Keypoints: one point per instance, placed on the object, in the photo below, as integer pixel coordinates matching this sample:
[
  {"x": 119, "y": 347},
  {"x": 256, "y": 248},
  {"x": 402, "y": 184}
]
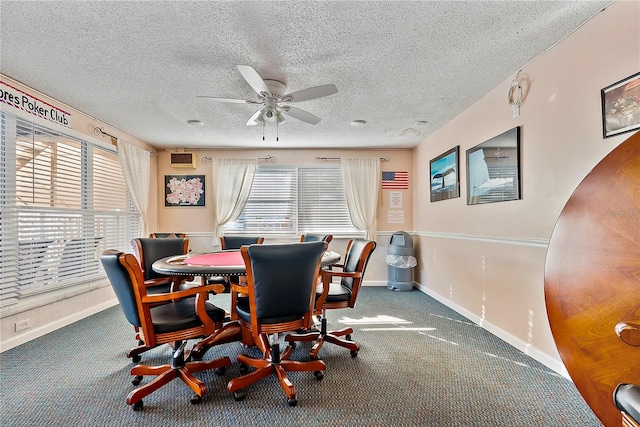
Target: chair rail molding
[{"x": 520, "y": 241}]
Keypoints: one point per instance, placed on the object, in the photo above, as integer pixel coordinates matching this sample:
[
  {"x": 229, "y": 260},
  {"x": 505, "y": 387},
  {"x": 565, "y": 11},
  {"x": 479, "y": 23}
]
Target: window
[
  {"x": 295, "y": 200},
  {"x": 62, "y": 202}
]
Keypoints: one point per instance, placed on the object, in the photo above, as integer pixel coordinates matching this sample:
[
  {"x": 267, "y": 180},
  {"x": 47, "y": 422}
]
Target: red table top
[
  {"x": 216, "y": 259},
  {"x": 223, "y": 263}
]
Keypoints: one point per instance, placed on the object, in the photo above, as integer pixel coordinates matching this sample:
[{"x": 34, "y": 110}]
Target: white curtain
[
  {"x": 361, "y": 178},
  {"x": 232, "y": 181},
  {"x": 136, "y": 166}
]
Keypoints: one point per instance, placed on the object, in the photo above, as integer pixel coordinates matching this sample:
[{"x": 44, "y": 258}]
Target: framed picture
[
  {"x": 493, "y": 169},
  {"x": 443, "y": 173},
  {"x": 621, "y": 106},
  {"x": 184, "y": 190}
]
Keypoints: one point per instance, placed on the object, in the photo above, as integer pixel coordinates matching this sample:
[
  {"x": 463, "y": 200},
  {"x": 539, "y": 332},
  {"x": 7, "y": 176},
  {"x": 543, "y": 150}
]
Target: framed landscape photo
[
  {"x": 443, "y": 174},
  {"x": 493, "y": 169},
  {"x": 184, "y": 190},
  {"x": 621, "y": 106}
]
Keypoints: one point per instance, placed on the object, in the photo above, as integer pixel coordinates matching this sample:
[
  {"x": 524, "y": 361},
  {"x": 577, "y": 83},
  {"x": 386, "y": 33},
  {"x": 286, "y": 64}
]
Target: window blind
[
  {"x": 271, "y": 207},
  {"x": 294, "y": 200},
  {"x": 64, "y": 201},
  {"x": 322, "y": 204}
]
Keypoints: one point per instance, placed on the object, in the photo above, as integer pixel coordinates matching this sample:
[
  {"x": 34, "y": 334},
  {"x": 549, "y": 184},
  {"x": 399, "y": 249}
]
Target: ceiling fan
[{"x": 274, "y": 99}]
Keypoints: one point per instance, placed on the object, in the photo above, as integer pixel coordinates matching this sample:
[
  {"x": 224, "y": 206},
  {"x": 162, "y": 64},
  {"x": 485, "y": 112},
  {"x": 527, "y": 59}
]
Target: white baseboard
[
  {"x": 374, "y": 283},
  {"x": 50, "y": 327},
  {"x": 552, "y": 363}
]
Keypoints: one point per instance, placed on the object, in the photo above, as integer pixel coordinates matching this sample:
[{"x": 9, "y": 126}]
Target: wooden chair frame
[
  {"x": 181, "y": 366},
  {"x": 272, "y": 362},
  {"x": 321, "y": 306}
]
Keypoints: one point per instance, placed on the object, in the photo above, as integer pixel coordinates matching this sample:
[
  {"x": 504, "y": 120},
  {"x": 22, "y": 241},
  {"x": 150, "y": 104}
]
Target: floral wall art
[{"x": 184, "y": 190}]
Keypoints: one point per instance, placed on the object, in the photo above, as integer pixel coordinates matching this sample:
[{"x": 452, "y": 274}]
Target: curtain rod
[
  {"x": 382, "y": 159},
  {"x": 271, "y": 159},
  {"x": 98, "y": 130}
]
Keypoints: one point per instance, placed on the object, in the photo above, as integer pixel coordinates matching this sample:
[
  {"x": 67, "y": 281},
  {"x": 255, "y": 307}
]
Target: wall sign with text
[{"x": 21, "y": 100}]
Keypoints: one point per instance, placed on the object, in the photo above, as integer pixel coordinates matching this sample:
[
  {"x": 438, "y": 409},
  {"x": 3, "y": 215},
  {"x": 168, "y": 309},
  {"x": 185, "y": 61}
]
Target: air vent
[{"x": 183, "y": 160}]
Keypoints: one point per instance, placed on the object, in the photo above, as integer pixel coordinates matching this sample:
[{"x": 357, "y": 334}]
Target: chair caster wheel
[
  {"x": 354, "y": 353},
  {"x": 292, "y": 401},
  {"x": 239, "y": 395},
  {"x": 138, "y": 406},
  {"x": 293, "y": 344},
  {"x": 318, "y": 374},
  {"x": 347, "y": 337},
  {"x": 220, "y": 371},
  {"x": 137, "y": 358},
  {"x": 196, "y": 399},
  {"x": 137, "y": 380},
  {"x": 243, "y": 368},
  {"x": 196, "y": 356}
]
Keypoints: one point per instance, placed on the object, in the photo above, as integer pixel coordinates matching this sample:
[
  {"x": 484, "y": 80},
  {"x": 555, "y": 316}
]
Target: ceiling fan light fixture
[
  {"x": 269, "y": 115},
  {"x": 280, "y": 118},
  {"x": 273, "y": 95}
]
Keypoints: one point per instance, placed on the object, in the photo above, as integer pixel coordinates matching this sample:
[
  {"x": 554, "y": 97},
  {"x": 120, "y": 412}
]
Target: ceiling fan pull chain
[
  {"x": 263, "y": 131},
  {"x": 277, "y": 131}
]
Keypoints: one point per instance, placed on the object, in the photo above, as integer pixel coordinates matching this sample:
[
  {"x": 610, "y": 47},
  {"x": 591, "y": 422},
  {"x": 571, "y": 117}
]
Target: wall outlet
[{"x": 22, "y": 325}]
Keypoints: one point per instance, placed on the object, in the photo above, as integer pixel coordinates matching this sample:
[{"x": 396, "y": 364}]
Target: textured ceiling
[{"x": 140, "y": 65}]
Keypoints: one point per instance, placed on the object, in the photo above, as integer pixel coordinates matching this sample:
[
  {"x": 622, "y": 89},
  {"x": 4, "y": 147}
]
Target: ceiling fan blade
[
  {"x": 230, "y": 100},
  {"x": 299, "y": 114},
  {"x": 253, "y": 78},
  {"x": 311, "y": 93},
  {"x": 252, "y": 121}
]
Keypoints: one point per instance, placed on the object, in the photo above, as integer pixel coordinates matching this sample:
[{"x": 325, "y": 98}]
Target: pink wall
[
  {"x": 200, "y": 219},
  {"x": 487, "y": 261}
]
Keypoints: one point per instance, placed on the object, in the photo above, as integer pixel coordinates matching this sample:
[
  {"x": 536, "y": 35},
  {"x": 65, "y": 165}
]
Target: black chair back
[
  {"x": 316, "y": 238},
  {"x": 353, "y": 261},
  {"x": 154, "y": 249},
  {"x": 236, "y": 242},
  {"x": 121, "y": 283},
  {"x": 284, "y": 279}
]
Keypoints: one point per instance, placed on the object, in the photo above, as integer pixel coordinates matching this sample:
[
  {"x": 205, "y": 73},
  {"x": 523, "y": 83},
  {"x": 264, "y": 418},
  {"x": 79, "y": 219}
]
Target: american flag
[{"x": 395, "y": 180}]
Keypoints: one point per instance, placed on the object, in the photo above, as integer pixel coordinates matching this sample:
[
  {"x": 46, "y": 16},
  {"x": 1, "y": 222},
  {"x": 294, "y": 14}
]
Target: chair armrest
[
  {"x": 218, "y": 288},
  {"x": 331, "y": 273},
  {"x": 164, "y": 280},
  {"x": 327, "y": 275},
  {"x": 172, "y": 296}
]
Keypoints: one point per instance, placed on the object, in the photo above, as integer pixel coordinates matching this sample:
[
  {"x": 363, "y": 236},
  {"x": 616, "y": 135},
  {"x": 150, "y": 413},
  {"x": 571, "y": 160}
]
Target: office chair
[
  {"x": 336, "y": 296},
  {"x": 171, "y": 318},
  {"x": 147, "y": 251},
  {"x": 281, "y": 280}
]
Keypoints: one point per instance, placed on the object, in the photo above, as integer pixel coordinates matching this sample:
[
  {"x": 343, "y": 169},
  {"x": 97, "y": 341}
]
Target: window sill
[{"x": 43, "y": 299}]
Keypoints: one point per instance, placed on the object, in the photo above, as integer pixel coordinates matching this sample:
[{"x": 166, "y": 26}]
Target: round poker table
[
  {"x": 221, "y": 263},
  {"x": 592, "y": 280}
]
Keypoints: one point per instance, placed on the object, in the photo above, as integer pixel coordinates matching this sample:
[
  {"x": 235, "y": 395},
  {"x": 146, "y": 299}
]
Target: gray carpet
[{"x": 421, "y": 364}]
